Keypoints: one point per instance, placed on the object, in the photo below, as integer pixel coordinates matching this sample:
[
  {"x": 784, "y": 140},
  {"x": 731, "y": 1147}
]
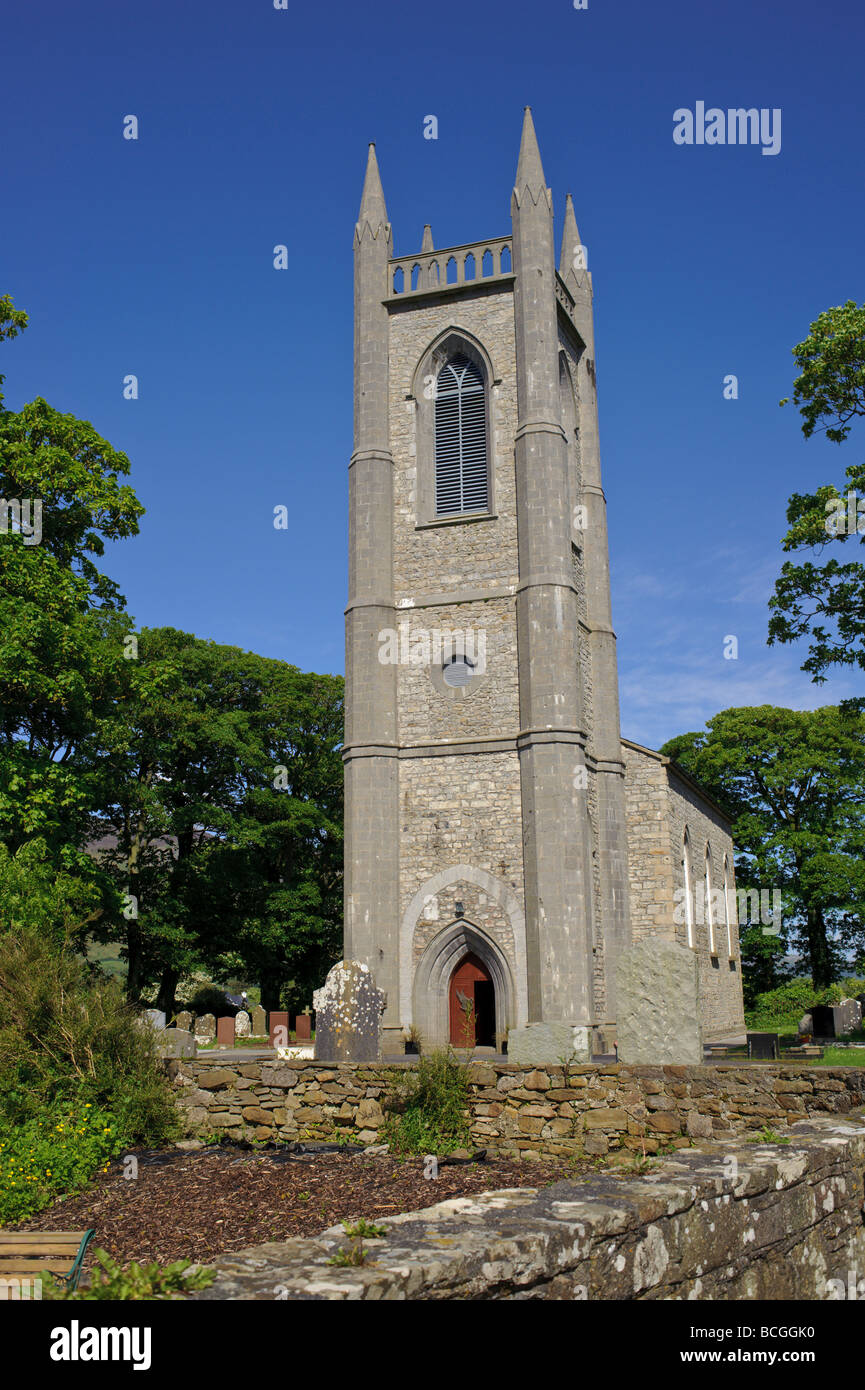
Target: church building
[{"x": 504, "y": 844}]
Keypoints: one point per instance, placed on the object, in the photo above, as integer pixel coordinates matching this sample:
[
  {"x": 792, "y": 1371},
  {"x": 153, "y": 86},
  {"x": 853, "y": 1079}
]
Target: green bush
[
  {"x": 75, "y": 1060},
  {"x": 53, "y": 1154},
  {"x": 780, "y": 1009},
  {"x": 148, "y": 1282},
  {"x": 427, "y": 1107}
]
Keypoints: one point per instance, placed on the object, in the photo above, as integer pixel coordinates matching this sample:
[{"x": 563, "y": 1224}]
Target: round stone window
[{"x": 457, "y": 672}]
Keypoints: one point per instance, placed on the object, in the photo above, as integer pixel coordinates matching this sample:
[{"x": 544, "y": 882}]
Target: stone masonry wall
[
  {"x": 721, "y": 970},
  {"x": 660, "y": 805},
  {"x": 720, "y": 1222},
  {"x": 530, "y": 1112},
  {"x": 651, "y": 869}
]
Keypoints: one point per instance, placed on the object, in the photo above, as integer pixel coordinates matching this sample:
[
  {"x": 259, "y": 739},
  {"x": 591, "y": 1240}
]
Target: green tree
[
  {"x": 826, "y": 601},
  {"x": 793, "y": 782},
  {"x": 62, "y": 623},
  {"x": 34, "y": 894},
  {"x": 222, "y": 815}
]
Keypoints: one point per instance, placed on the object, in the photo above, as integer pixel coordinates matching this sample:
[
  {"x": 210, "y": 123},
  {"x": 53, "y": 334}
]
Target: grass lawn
[{"x": 841, "y": 1057}]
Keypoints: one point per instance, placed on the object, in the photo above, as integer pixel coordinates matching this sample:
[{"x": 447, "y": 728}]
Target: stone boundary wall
[
  {"x": 533, "y": 1112},
  {"x": 723, "y": 1222}
]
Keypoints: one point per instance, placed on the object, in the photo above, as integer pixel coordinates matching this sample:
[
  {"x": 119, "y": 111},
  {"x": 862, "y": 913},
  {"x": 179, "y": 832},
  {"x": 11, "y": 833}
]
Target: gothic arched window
[
  {"x": 710, "y": 916},
  {"x": 461, "y": 471},
  {"x": 686, "y": 875},
  {"x": 727, "y": 904}
]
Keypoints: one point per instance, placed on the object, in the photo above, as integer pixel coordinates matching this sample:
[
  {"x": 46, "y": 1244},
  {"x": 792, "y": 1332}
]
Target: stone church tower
[{"x": 486, "y": 864}]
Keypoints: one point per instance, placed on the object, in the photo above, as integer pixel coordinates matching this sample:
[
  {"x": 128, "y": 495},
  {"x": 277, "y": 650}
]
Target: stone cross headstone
[
  {"x": 302, "y": 1028},
  {"x": 241, "y": 1024},
  {"x": 205, "y": 1028},
  {"x": 184, "y": 1020},
  {"x": 658, "y": 1005},
  {"x": 225, "y": 1031},
  {"x": 156, "y": 1016},
  {"x": 259, "y": 1022},
  {"x": 279, "y": 1034},
  {"x": 348, "y": 1010}
]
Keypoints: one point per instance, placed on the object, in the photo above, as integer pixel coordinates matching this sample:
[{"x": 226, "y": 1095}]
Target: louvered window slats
[{"x": 460, "y": 439}]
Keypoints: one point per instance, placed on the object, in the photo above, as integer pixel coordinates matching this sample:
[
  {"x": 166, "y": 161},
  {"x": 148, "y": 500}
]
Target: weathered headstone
[
  {"x": 833, "y": 1020},
  {"x": 848, "y": 1016},
  {"x": 156, "y": 1016},
  {"x": 259, "y": 1022},
  {"x": 241, "y": 1024},
  {"x": 348, "y": 1010},
  {"x": 205, "y": 1028},
  {"x": 279, "y": 1034},
  {"x": 658, "y": 1005},
  {"x": 184, "y": 1020},
  {"x": 302, "y": 1028},
  {"x": 225, "y": 1031},
  {"x": 539, "y": 1044},
  {"x": 805, "y": 1025},
  {"x": 177, "y": 1042}
]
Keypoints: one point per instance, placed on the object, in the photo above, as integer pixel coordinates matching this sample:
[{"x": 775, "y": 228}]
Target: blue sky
[{"x": 154, "y": 257}]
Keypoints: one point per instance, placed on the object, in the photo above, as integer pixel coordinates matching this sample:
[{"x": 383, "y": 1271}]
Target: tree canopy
[
  {"x": 160, "y": 791},
  {"x": 793, "y": 782},
  {"x": 824, "y": 599}
]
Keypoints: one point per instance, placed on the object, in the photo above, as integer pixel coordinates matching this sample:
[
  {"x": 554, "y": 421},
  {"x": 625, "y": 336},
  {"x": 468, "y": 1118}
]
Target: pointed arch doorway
[{"x": 472, "y": 1004}]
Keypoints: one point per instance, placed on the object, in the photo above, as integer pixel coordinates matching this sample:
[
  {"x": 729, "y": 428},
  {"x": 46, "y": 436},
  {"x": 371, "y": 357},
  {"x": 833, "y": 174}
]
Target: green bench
[{"x": 26, "y": 1254}]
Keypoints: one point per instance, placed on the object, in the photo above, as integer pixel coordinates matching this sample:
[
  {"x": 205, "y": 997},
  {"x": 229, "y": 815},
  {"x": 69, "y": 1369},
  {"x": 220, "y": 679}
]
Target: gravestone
[
  {"x": 833, "y": 1020},
  {"x": 658, "y": 1005},
  {"x": 302, "y": 1028},
  {"x": 824, "y": 1020},
  {"x": 279, "y": 1034},
  {"x": 544, "y": 1044},
  {"x": 763, "y": 1047},
  {"x": 848, "y": 1016},
  {"x": 225, "y": 1031},
  {"x": 805, "y": 1025},
  {"x": 205, "y": 1028},
  {"x": 156, "y": 1016},
  {"x": 348, "y": 1010},
  {"x": 259, "y": 1022},
  {"x": 184, "y": 1020},
  {"x": 177, "y": 1042},
  {"x": 242, "y": 1024}
]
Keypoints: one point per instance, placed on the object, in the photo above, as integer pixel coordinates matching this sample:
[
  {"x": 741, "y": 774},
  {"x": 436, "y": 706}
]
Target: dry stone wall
[
  {"x": 719, "y": 1222},
  {"x": 531, "y": 1112}
]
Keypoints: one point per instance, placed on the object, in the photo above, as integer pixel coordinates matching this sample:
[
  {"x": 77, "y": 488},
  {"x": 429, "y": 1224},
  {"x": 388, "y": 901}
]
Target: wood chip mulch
[{"x": 197, "y": 1205}]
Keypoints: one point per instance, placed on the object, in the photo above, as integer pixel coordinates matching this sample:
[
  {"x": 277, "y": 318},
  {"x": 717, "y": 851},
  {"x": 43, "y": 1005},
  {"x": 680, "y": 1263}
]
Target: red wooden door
[{"x": 463, "y": 1005}]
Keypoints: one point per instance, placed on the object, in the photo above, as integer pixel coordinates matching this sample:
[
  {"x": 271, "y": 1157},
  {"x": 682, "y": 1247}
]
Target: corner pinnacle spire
[
  {"x": 572, "y": 265},
  {"x": 530, "y": 170},
  {"x": 427, "y": 243},
  {"x": 373, "y": 212}
]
